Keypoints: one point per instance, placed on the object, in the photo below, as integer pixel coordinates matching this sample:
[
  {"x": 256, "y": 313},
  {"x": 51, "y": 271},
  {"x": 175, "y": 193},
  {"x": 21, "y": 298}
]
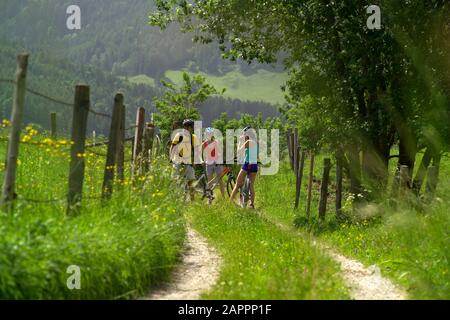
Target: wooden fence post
[
  {"x": 113, "y": 147},
  {"x": 324, "y": 188},
  {"x": 339, "y": 172},
  {"x": 121, "y": 146},
  {"x": 293, "y": 145},
  {"x": 8, "y": 190},
  {"x": 432, "y": 181},
  {"x": 422, "y": 171},
  {"x": 295, "y": 163},
  {"x": 53, "y": 125},
  {"x": 403, "y": 178},
  {"x": 310, "y": 183},
  {"x": 300, "y": 170},
  {"x": 132, "y": 153},
  {"x": 137, "y": 147},
  {"x": 289, "y": 145},
  {"x": 147, "y": 147},
  {"x": 77, "y": 163},
  {"x": 158, "y": 145}
]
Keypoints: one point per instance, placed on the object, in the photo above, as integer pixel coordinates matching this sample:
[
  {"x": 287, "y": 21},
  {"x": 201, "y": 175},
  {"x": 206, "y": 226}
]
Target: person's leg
[
  {"x": 190, "y": 177},
  {"x": 240, "y": 181},
  {"x": 222, "y": 187},
  {"x": 219, "y": 176},
  {"x": 191, "y": 189},
  {"x": 210, "y": 175},
  {"x": 252, "y": 188},
  {"x": 176, "y": 173}
]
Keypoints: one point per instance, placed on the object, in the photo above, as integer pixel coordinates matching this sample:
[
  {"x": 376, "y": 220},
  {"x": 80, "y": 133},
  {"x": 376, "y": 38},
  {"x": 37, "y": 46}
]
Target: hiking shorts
[
  {"x": 184, "y": 171},
  {"x": 250, "y": 168},
  {"x": 212, "y": 169}
]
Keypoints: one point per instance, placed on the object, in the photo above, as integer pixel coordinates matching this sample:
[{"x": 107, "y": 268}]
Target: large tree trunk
[
  {"x": 375, "y": 165},
  {"x": 353, "y": 168},
  {"x": 422, "y": 171},
  {"x": 433, "y": 175},
  {"x": 407, "y": 153},
  {"x": 429, "y": 155},
  {"x": 378, "y": 141}
]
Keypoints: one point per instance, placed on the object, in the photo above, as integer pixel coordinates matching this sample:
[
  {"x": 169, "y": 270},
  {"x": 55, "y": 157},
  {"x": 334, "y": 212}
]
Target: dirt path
[
  {"x": 366, "y": 283},
  {"x": 363, "y": 283},
  {"x": 200, "y": 266},
  {"x": 197, "y": 272}
]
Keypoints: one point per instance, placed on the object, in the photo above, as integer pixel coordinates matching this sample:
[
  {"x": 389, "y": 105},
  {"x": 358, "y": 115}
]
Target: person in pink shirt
[{"x": 211, "y": 156}]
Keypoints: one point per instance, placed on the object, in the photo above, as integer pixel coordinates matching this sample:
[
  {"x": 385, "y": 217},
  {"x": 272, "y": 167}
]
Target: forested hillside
[
  {"x": 57, "y": 78},
  {"x": 114, "y": 36},
  {"x": 115, "y": 49}
]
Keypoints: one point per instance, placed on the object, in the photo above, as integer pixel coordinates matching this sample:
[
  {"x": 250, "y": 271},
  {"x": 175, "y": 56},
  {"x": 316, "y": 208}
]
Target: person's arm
[
  {"x": 243, "y": 146},
  {"x": 173, "y": 143},
  {"x": 241, "y": 152}
]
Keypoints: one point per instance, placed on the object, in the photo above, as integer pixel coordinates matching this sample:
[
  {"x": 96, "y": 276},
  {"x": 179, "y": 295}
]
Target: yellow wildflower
[{"x": 47, "y": 141}]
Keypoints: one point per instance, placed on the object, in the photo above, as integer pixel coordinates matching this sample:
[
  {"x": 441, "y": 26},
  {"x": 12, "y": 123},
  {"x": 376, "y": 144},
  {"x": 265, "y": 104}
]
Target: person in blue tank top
[{"x": 248, "y": 144}]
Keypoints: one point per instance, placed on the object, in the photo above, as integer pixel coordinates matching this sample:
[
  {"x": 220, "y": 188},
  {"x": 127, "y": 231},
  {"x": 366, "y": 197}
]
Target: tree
[
  {"x": 179, "y": 103},
  {"x": 373, "y": 88}
]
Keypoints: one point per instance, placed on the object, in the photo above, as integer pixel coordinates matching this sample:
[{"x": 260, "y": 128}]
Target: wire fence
[
  {"x": 55, "y": 100},
  {"x": 114, "y": 159},
  {"x": 55, "y": 200}
]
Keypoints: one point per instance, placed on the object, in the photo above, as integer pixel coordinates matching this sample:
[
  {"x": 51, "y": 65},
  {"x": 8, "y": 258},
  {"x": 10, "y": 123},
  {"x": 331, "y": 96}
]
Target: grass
[
  {"x": 141, "y": 79},
  {"x": 261, "y": 86},
  {"x": 123, "y": 247},
  {"x": 409, "y": 246},
  {"x": 262, "y": 261}
]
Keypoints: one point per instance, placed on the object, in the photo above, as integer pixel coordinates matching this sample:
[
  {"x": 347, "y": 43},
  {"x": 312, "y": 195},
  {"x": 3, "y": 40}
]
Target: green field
[
  {"x": 141, "y": 79},
  {"x": 261, "y": 86}
]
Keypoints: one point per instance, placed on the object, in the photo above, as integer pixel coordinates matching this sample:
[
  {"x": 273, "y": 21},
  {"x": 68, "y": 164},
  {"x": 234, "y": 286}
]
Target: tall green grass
[
  {"x": 123, "y": 247},
  {"x": 409, "y": 245}
]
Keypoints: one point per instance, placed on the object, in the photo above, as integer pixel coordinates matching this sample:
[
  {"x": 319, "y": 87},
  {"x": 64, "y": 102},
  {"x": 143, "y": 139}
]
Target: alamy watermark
[
  {"x": 374, "y": 21},
  {"x": 73, "y": 21},
  {"x": 256, "y": 151},
  {"x": 74, "y": 280}
]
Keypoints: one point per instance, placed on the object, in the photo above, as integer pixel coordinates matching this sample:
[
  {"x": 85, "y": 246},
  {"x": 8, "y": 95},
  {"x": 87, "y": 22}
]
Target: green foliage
[
  {"x": 247, "y": 120},
  {"x": 45, "y": 70},
  {"x": 212, "y": 109},
  {"x": 366, "y": 89},
  {"x": 55, "y": 77},
  {"x": 179, "y": 103},
  {"x": 123, "y": 247},
  {"x": 262, "y": 261},
  {"x": 114, "y": 36},
  {"x": 223, "y": 123},
  {"x": 260, "y": 86}
]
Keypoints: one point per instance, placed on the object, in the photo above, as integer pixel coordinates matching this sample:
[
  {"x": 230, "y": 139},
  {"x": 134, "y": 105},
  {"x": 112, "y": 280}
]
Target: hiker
[
  {"x": 212, "y": 157},
  {"x": 183, "y": 150},
  {"x": 248, "y": 146}
]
